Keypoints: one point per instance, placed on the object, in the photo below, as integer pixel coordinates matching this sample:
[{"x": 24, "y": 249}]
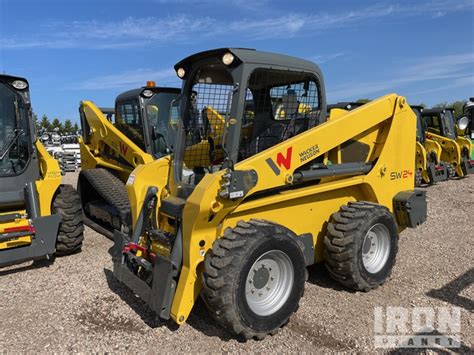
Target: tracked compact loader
[
  {"x": 39, "y": 217},
  {"x": 114, "y": 142},
  {"x": 281, "y": 190},
  {"x": 456, "y": 150}
]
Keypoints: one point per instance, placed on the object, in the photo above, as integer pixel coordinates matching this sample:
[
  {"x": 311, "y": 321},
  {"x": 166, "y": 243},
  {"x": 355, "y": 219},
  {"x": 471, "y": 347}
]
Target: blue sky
[{"x": 72, "y": 50}]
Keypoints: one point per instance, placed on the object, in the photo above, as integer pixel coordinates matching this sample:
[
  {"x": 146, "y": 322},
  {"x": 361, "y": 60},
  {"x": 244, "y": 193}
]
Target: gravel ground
[{"x": 75, "y": 304}]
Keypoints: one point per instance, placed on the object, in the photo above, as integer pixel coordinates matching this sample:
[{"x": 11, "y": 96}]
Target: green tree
[
  {"x": 458, "y": 108},
  {"x": 75, "y": 128},
  {"x": 68, "y": 127},
  {"x": 57, "y": 124},
  {"x": 45, "y": 124},
  {"x": 363, "y": 101},
  {"x": 456, "y": 105}
]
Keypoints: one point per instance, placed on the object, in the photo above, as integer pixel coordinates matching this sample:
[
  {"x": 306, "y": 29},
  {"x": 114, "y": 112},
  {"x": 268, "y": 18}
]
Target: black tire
[
  {"x": 418, "y": 178},
  {"x": 344, "y": 241},
  {"x": 67, "y": 204},
  {"x": 226, "y": 270}
]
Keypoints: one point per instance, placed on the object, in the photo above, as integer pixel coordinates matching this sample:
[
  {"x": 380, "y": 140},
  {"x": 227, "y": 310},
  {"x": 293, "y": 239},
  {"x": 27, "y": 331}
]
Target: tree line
[{"x": 66, "y": 127}]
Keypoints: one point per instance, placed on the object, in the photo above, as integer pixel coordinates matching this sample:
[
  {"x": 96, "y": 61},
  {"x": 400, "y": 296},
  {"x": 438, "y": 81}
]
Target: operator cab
[
  {"x": 142, "y": 115},
  {"x": 238, "y": 102},
  {"x": 440, "y": 121},
  {"x": 16, "y": 140}
]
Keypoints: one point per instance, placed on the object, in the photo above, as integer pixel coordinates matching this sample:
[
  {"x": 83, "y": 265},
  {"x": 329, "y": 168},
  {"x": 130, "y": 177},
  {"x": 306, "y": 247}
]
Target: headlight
[
  {"x": 147, "y": 93},
  {"x": 181, "y": 73},
  {"x": 19, "y": 84},
  {"x": 462, "y": 123},
  {"x": 227, "y": 58}
]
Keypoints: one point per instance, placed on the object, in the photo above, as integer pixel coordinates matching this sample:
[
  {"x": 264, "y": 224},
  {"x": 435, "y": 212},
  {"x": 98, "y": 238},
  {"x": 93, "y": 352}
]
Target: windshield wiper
[{"x": 10, "y": 142}]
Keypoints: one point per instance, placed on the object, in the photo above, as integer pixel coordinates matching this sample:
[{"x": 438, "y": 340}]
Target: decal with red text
[{"x": 401, "y": 174}]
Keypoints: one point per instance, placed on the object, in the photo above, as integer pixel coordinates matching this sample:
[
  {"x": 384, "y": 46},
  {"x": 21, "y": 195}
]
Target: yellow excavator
[
  {"x": 39, "y": 216},
  {"x": 238, "y": 221},
  {"x": 456, "y": 150},
  {"x": 114, "y": 142}
]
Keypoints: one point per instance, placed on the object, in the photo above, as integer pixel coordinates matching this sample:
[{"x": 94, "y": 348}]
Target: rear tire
[
  {"x": 71, "y": 229},
  {"x": 254, "y": 278},
  {"x": 361, "y": 245}
]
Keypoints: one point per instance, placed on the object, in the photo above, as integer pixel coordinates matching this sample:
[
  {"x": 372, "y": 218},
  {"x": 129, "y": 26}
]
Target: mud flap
[
  {"x": 43, "y": 242},
  {"x": 159, "y": 296}
]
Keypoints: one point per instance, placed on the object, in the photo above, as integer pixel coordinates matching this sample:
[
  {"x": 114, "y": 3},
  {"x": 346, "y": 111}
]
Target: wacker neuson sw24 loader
[
  {"x": 239, "y": 220},
  {"x": 39, "y": 217}
]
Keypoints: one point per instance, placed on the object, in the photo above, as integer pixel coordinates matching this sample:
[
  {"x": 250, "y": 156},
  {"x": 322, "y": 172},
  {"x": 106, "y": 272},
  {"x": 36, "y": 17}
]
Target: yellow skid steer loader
[{"x": 282, "y": 190}]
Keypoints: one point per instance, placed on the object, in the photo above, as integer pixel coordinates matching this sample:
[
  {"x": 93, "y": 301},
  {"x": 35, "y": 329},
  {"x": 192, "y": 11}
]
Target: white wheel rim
[
  {"x": 269, "y": 283},
  {"x": 376, "y": 248}
]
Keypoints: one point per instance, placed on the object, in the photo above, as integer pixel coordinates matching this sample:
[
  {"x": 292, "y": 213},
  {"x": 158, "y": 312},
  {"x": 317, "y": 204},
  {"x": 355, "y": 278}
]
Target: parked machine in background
[
  {"x": 282, "y": 190},
  {"x": 113, "y": 143},
  {"x": 39, "y": 216},
  {"x": 456, "y": 150},
  {"x": 429, "y": 168},
  {"x": 465, "y": 123}
]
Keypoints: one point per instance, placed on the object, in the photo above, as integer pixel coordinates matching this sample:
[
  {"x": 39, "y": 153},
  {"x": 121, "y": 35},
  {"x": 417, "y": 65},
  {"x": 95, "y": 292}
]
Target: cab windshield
[
  {"x": 448, "y": 123},
  {"x": 14, "y": 151},
  {"x": 162, "y": 132},
  {"x": 151, "y": 132}
]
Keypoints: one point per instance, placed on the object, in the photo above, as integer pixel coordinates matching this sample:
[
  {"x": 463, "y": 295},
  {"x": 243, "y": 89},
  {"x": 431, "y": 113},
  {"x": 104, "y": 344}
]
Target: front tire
[
  {"x": 67, "y": 204},
  {"x": 254, "y": 278},
  {"x": 361, "y": 245}
]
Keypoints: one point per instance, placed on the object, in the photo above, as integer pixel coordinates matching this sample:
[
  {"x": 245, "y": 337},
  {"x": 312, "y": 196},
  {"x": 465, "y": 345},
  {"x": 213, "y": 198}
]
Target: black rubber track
[
  {"x": 223, "y": 270},
  {"x": 345, "y": 234},
  {"x": 111, "y": 189},
  {"x": 71, "y": 229}
]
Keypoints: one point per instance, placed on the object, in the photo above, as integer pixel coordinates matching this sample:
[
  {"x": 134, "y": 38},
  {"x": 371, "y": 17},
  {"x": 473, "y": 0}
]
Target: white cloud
[
  {"x": 129, "y": 79},
  {"x": 139, "y": 32},
  {"x": 457, "y": 68},
  {"x": 321, "y": 59}
]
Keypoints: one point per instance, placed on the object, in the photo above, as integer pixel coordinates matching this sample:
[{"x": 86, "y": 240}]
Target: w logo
[
  {"x": 281, "y": 161},
  {"x": 123, "y": 148}
]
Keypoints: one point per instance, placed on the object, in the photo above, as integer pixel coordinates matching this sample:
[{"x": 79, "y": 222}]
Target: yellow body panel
[
  {"x": 47, "y": 185},
  {"x": 451, "y": 150},
  {"x": 154, "y": 174},
  {"x": 429, "y": 148},
  {"x": 465, "y": 143},
  {"x": 107, "y": 146}
]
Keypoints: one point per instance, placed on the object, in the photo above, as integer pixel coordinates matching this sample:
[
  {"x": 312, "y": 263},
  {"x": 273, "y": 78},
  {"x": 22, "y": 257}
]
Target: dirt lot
[{"x": 75, "y": 304}]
